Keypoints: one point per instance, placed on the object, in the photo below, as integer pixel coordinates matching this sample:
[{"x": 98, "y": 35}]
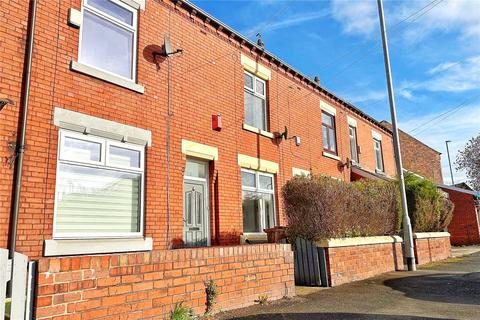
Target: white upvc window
[
  {"x": 352, "y": 133},
  {"x": 255, "y": 101},
  {"x": 99, "y": 188},
  {"x": 108, "y": 37},
  {"x": 377, "y": 147},
  {"x": 258, "y": 201}
]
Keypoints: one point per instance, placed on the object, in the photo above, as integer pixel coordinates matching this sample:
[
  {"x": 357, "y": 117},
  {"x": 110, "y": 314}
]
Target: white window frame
[
  {"x": 375, "y": 141},
  {"x": 257, "y": 189},
  {"x": 261, "y": 96},
  {"x": 132, "y": 28},
  {"x": 103, "y": 164},
  {"x": 354, "y": 138}
]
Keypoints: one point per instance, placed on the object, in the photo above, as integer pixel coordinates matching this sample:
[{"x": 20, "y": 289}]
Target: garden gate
[
  {"x": 310, "y": 264},
  {"x": 21, "y": 274}
]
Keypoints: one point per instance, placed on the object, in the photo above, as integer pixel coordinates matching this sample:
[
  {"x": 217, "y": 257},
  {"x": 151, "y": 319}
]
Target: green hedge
[{"x": 430, "y": 210}]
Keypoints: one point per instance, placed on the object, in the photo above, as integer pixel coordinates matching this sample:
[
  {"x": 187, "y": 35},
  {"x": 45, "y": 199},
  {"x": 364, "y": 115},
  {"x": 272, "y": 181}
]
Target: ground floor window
[
  {"x": 258, "y": 203},
  {"x": 99, "y": 190}
]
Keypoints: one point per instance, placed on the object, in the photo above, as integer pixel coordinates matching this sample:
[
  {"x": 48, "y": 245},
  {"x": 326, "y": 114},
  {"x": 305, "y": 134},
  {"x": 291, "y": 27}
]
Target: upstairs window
[
  {"x": 108, "y": 37},
  {"x": 255, "y": 101},
  {"x": 328, "y": 133},
  {"x": 258, "y": 203},
  {"x": 99, "y": 191},
  {"x": 352, "y": 132},
  {"x": 377, "y": 146}
]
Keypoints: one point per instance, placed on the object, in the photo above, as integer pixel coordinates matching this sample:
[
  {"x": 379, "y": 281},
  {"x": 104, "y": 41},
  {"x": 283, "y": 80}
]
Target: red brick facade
[
  {"x": 419, "y": 158},
  {"x": 206, "y": 79},
  {"x": 147, "y": 285},
  {"x": 358, "y": 262},
  {"x": 432, "y": 249},
  {"x": 464, "y": 228}
]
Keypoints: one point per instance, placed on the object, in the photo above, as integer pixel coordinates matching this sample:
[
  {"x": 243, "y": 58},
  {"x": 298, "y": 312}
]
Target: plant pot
[{"x": 276, "y": 234}]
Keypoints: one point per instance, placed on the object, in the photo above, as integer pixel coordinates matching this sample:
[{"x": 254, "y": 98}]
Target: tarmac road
[{"x": 446, "y": 290}]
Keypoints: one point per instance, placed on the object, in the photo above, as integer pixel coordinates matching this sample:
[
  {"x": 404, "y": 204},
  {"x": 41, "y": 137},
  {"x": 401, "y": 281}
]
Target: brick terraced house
[{"x": 132, "y": 145}]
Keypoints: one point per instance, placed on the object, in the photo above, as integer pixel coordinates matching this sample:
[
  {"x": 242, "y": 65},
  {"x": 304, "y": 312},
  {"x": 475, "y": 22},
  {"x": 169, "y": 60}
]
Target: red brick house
[
  {"x": 419, "y": 158},
  {"x": 129, "y": 150},
  {"x": 465, "y": 226}
]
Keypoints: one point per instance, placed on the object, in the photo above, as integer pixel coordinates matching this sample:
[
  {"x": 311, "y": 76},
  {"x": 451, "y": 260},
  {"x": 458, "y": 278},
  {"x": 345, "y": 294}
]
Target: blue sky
[{"x": 434, "y": 48}]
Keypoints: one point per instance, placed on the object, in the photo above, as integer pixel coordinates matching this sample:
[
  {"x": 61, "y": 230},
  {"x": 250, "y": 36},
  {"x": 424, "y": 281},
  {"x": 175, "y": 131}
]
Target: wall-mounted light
[
  {"x": 297, "y": 140},
  {"x": 4, "y": 102},
  {"x": 284, "y": 136}
]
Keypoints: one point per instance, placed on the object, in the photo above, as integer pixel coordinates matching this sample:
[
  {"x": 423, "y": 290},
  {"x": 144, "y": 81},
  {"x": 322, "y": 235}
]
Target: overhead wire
[
  {"x": 394, "y": 27},
  {"x": 443, "y": 115},
  {"x": 374, "y": 47}
]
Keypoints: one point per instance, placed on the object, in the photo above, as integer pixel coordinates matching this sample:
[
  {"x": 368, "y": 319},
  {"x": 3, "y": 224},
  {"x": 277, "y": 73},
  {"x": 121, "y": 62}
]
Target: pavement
[
  {"x": 464, "y": 250},
  {"x": 446, "y": 290}
]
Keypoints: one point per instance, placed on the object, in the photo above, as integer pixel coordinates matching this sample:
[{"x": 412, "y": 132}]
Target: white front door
[{"x": 196, "y": 222}]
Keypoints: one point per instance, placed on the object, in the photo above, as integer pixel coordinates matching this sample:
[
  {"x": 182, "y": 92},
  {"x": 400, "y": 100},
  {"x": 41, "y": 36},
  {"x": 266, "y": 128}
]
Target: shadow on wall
[
  {"x": 444, "y": 288},
  {"x": 336, "y": 316}
]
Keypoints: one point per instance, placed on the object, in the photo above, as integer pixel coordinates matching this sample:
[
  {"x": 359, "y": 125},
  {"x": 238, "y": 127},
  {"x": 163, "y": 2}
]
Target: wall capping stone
[
  {"x": 425, "y": 235},
  {"x": 357, "y": 241}
]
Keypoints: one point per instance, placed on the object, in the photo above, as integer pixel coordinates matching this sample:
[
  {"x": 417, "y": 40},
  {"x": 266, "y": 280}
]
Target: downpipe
[{"x": 20, "y": 149}]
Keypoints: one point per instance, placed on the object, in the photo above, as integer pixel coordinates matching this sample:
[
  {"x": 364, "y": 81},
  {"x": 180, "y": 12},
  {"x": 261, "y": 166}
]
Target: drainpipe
[{"x": 20, "y": 150}]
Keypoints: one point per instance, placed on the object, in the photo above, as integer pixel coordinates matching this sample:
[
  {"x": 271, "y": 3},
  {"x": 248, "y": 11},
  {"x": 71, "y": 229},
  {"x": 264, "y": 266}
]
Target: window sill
[
  {"x": 331, "y": 156},
  {"x": 102, "y": 75},
  {"x": 380, "y": 172},
  {"x": 95, "y": 246},
  {"x": 258, "y": 131},
  {"x": 259, "y": 237}
]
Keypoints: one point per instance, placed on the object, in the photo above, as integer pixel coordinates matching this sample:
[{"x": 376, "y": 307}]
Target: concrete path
[
  {"x": 446, "y": 290},
  {"x": 464, "y": 251}
]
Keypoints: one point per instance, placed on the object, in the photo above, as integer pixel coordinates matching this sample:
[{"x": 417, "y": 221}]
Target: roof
[
  {"x": 368, "y": 174},
  {"x": 388, "y": 124},
  {"x": 217, "y": 24},
  {"x": 453, "y": 188}
]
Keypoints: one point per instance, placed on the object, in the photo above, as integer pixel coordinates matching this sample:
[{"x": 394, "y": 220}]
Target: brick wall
[
  {"x": 147, "y": 285},
  {"x": 206, "y": 79},
  {"x": 464, "y": 228},
  {"x": 353, "y": 263},
  {"x": 419, "y": 158},
  {"x": 432, "y": 249}
]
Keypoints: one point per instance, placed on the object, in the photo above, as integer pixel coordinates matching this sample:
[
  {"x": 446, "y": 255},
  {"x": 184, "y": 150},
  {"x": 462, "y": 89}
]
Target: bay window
[
  {"x": 258, "y": 203},
  {"x": 108, "y": 37},
  {"x": 255, "y": 101},
  {"x": 99, "y": 188}
]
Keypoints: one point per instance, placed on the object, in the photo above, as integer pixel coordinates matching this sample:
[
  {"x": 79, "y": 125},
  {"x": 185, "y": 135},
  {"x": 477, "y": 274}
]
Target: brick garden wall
[
  {"x": 147, "y": 285},
  {"x": 353, "y": 263},
  {"x": 432, "y": 249},
  {"x": 464, "y": 228}
]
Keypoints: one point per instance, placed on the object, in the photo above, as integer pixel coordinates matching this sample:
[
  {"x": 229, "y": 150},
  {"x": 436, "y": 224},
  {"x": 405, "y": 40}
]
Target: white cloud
[
  {"x": 452, "y": 77},
  {"x": 286, "y": 22},
  {"x": 356, "y": 17},
  {"x": 425, "y": 18},
  {"x": 372, "y": 95},
  {"x": 456, "y": 127}
]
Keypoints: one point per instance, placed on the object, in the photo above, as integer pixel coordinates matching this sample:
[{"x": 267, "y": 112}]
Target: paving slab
[{"x": 446, "y": 290}]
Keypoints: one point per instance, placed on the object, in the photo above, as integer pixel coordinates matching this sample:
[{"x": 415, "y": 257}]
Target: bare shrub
[{"x": 319, "y": 207}]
